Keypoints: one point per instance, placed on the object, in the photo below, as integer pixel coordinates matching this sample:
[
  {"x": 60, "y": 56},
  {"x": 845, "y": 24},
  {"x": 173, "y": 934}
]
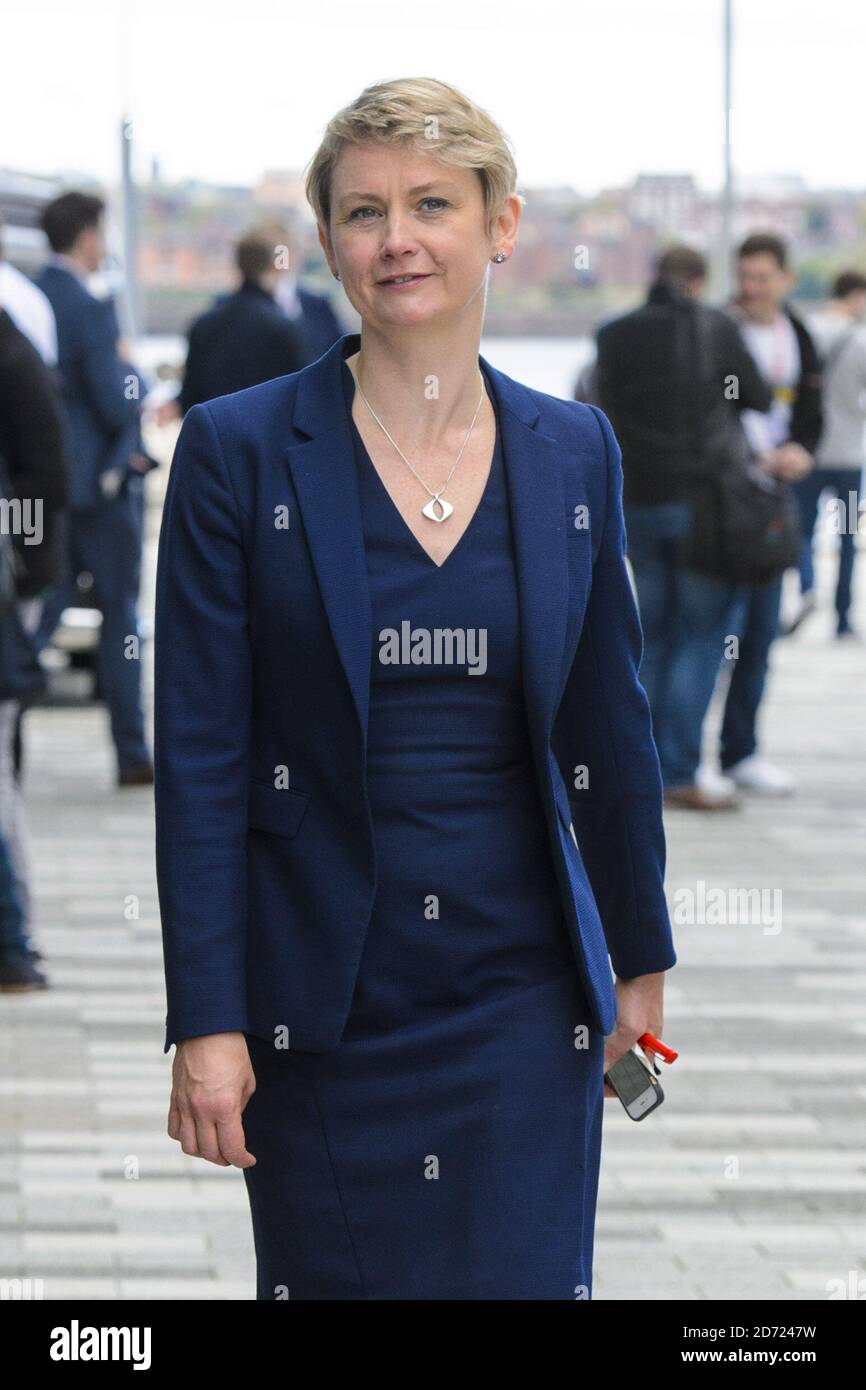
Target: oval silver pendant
[{"x": 428, "y": 510}]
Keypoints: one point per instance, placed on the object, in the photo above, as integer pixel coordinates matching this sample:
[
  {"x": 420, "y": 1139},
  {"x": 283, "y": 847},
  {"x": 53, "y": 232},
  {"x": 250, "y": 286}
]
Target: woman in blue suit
[{"x": 408, "y": 803}]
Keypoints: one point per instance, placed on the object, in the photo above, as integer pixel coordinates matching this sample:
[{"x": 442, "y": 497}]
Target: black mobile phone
[{"x": 635, "y": 1085}]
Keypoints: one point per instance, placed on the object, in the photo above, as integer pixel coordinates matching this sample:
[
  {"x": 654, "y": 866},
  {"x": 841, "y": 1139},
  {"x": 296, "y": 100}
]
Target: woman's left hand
[{"x": 640, "y": 1009}]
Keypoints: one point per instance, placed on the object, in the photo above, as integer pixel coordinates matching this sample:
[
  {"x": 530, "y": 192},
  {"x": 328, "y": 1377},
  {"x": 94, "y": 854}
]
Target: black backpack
[{"x": 746, "y": 524}]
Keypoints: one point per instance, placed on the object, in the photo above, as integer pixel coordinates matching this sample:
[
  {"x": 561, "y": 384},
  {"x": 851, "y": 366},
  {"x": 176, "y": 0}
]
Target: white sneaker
[
  {"x": 755, "y": 774},
  {"x": 713, "y": 782}
]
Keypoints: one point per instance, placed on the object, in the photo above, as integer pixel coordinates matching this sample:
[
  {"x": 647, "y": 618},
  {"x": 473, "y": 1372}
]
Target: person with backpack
[
  {"x": 841, "y": 338},
  {"x": 782, "y": 441},
  {"x": 661, "y": 380}
]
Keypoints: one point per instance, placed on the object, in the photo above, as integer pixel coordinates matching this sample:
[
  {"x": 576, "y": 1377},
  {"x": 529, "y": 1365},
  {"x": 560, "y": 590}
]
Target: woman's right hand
[{"x": 212, "y": 1080}]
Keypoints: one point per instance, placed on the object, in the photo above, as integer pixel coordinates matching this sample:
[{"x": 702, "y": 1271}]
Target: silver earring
[
  {"x": 336, "y": 274},
  {"x": 499, "y": 257}
]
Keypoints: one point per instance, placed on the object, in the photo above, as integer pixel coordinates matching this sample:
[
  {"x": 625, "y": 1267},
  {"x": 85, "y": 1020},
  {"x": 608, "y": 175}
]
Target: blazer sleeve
[
  {"x": 202, "y": 692},
  {"x": 807, "y": 416},
  {"x": 618, "y": 817},
  {"x": 103, "y": 374}
]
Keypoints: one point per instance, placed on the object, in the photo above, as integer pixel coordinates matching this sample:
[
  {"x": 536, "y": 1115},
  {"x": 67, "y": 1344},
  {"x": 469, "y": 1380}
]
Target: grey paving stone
[{"x": 770, "y": 1030}]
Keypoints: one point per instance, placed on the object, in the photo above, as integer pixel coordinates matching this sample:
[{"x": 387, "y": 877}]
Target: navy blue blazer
[
  {"x": 100, "y": 415},
  {"x": 262, "y": 671}
]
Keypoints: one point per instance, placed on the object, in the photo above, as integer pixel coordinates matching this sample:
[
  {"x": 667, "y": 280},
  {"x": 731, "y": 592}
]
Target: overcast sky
[{"x": 591, "y": 92}]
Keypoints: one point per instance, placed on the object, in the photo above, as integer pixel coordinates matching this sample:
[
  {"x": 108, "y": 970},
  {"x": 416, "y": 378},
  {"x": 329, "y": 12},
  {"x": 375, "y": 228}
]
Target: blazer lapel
[
  {"x": 326, "y": 484},
  {"x": 537, "y": 501}
]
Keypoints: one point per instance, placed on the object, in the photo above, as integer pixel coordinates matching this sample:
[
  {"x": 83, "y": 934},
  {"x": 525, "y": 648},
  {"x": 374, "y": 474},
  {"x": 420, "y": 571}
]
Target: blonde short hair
[{"x": 433, "y": 117}]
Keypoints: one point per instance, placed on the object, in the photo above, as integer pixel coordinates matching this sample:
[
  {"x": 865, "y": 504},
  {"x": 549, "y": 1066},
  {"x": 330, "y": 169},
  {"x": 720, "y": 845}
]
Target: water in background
[{"x": 548, "y": 364}]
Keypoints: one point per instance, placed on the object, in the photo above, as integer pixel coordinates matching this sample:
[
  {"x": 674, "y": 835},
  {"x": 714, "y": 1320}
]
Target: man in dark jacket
[
  {"x": 311, "y": 314},
  {"x": 34, "y": 481},
  {"x": 31, "y": 447},
  {"x": 245, "y": 339},
  {"x": 672, "y": 376},
  {"x": 784, "y": 439},
  {"x": 101, "y": 408}
]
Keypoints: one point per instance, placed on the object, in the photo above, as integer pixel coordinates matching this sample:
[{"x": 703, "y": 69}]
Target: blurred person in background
[
  {"x": 312, "y": 314},
  {"x": 245, "y": 339},
  {"x": 34, "y": 480},
  {"x": 649, "y": 383},
  {"x": 101, "y": 408},
  {"x": 841, "y": 339},
  {"x": 586, "y": 385},
  {"x": 782, "y": 440},
  {"x": 31, "y": 312}
]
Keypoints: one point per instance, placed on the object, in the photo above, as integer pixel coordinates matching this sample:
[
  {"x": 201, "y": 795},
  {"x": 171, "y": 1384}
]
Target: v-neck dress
[{"x": 449, "y": 1147}]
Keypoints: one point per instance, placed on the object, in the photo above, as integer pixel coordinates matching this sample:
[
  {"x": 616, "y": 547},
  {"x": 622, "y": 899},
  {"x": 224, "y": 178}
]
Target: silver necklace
[{"x": 436, "y": 498}]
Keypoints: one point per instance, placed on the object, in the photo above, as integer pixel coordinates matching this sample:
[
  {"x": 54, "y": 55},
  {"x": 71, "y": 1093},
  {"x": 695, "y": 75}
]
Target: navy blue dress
[{"x": 449, "y": 1147}]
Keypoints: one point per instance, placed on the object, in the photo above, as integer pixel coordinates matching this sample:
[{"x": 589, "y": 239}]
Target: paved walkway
[{"x": 749, "y": 1182}]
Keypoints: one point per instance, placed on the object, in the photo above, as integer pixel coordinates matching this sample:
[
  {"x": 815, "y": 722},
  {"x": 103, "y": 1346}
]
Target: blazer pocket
[{"x": 278, "y": 810}]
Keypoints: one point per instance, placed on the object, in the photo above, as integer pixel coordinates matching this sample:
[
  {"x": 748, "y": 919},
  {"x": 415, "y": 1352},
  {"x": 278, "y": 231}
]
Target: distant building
[
  {"x": 22, "y": 198},
  {"x": 282, "y": 190},
  {"x": 578, "y": 256},
  {"x": 667, "y": 202}
]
